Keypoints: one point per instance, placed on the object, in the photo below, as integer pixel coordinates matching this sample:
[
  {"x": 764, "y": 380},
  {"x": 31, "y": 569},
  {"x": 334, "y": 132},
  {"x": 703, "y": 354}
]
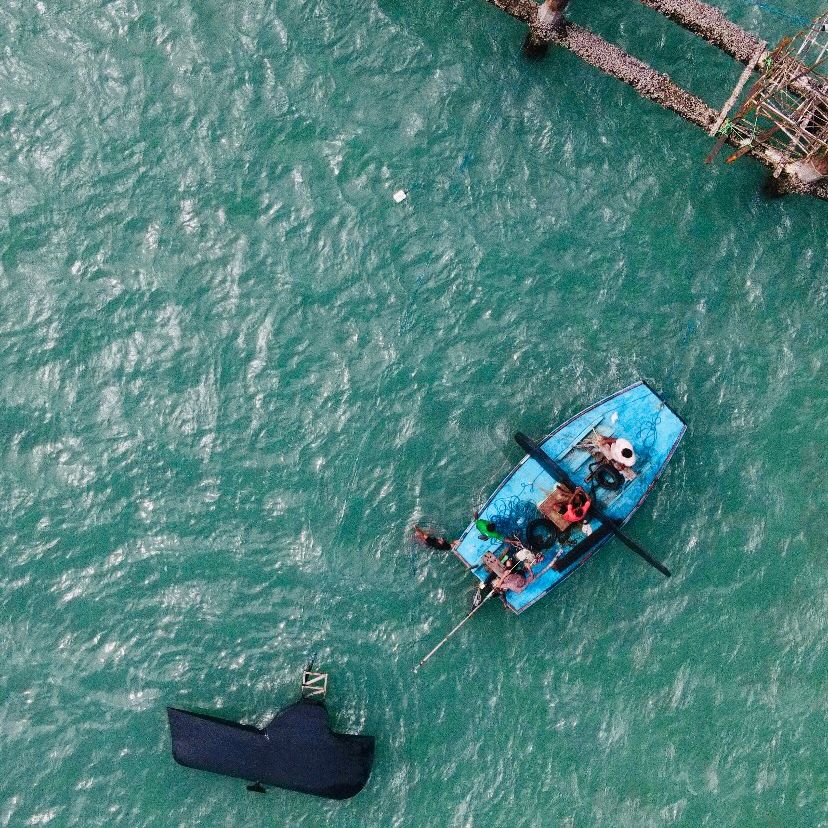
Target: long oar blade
[
  {"x": 640, "y": 551},
  {"x": 554, "y": 469}
]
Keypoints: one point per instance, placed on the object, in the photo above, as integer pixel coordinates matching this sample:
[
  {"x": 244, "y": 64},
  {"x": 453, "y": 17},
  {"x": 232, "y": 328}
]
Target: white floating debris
[{"x": 400, "y": 196}]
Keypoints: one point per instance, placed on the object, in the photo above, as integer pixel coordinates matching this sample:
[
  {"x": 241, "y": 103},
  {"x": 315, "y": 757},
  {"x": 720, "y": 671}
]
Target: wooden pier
[{"x": 789, "y": 98}]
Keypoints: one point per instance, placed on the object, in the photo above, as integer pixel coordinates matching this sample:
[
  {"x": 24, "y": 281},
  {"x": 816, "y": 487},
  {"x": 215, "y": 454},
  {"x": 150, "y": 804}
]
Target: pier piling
[
  {"x": 549, "y": 22},
  {"x": 789, "y": 100}
]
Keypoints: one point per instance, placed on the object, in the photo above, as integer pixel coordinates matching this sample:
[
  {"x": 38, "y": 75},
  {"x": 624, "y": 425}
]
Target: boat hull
[{"x": 637, "y": 414}]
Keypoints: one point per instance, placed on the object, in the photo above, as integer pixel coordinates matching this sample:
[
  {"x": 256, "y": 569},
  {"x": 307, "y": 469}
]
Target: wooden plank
[
  {"x": 749, "y": 147},
  {"x": 760, "y": 50}
]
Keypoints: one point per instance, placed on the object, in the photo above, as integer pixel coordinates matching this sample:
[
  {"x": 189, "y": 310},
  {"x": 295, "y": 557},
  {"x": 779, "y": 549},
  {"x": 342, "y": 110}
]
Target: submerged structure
[
  {"x": 297, "y": 750},
  {"x": 782, "y": 121}
]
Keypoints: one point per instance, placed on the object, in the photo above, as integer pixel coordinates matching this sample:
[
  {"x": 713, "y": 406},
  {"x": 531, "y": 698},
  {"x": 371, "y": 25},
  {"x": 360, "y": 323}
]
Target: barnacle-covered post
[{"x": 549, "y": 21}]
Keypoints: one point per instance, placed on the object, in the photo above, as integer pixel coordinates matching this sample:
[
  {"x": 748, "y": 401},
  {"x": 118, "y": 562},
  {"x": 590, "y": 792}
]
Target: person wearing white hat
[{"x": 622, "y": 452}]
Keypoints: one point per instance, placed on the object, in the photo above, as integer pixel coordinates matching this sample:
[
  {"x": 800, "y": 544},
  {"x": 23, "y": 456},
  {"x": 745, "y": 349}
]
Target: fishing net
[{"x": 512, "y": 514}]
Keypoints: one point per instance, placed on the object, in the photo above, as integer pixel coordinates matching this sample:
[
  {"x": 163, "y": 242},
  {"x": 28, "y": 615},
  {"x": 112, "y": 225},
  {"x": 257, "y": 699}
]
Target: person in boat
[
  {"x": 576, "y": 509},
  {"x": 487, "y": 529},
  {"x": 503, "y": 575},
  {"x": 621, "y": 453},
  {"x": 432, "y": 541},
  {"x": 616, "y": 453},
  {"x": 527, "y": 557},
  {"x": 511, "y": 580}
]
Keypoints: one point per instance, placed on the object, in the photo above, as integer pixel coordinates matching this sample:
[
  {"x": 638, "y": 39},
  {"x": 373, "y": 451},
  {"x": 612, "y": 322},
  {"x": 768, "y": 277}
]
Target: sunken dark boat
[{"x": 297, "y": 751}]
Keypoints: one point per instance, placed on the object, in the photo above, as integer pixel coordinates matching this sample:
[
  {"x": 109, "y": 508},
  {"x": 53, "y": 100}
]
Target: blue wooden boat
[{"x": 614, "y": 451}]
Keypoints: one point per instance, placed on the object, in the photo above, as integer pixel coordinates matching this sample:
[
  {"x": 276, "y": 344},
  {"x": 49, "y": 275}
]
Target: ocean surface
[{"x": 234, "y": 373}]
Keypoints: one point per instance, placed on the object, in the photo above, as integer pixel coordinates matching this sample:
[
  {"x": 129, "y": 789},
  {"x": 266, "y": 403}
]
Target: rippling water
[{"x": 233, "y": 372}]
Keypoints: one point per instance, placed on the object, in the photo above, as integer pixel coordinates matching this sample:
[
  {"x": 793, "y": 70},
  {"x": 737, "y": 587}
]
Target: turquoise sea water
[{"x": 233, "y": 373}]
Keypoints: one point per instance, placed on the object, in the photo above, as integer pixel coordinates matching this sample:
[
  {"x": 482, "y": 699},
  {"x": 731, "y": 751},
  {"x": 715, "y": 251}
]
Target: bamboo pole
[
  {"x": 447, "y": 637},
  {"x": 760, "y": 50}
]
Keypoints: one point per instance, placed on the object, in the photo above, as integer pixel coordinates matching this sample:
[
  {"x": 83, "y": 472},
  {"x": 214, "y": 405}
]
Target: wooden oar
[
  {"x": 424, "y": 660},
  {"x": 553, "y": 469}
]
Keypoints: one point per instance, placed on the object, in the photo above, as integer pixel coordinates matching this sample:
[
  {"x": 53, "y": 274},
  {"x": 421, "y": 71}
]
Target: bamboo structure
[
  {"x": 737, "y": 90},
  {"x": 787, "y": 110},
  {"x": 783, "y": 121}
]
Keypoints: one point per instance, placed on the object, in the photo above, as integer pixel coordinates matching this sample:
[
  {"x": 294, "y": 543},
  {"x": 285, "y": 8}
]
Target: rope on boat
[
  {"x": 513, "y": 514},
  {"x": 648, "y": 432}
]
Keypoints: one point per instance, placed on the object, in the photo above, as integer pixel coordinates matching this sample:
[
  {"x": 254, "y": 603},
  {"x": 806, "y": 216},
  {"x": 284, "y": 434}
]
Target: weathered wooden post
[
  {"x": 549, "y": 22},
  {"x": 797, "y": 177}
]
